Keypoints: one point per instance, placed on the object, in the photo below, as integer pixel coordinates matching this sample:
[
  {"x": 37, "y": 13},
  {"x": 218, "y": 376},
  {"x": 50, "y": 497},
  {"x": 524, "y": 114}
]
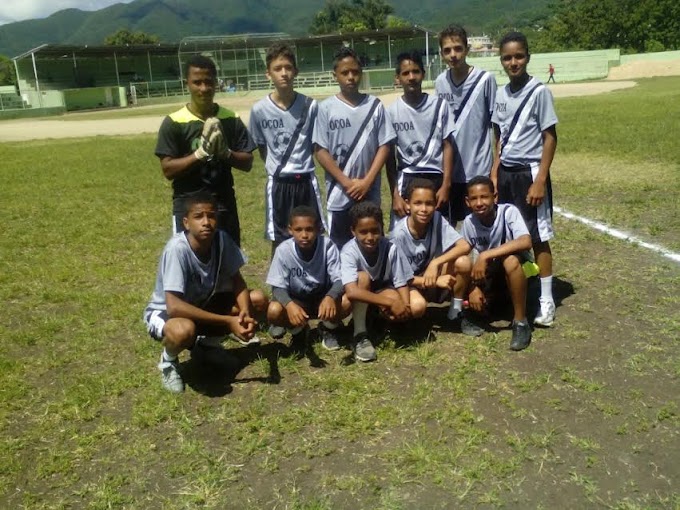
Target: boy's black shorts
[
  {"x": 222, "y": 304},
  {"x": 513, "y": 186},
  {"x": 289, "y": 191},
  {"x": 310, "y": 304},
  {"x": 455, "y": 210},
  {"x": 339, "y": 227}
]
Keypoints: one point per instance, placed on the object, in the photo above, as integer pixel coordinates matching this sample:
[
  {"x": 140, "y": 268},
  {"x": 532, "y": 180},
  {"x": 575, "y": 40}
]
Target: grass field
[{"x": 587, "y": 417}]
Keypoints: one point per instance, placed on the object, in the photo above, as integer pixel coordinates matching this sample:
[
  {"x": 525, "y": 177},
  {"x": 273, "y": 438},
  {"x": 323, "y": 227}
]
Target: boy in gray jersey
[
  {"x": 306, "y": 284},
  {"x": 470, "y": 93},
  {"x": 437, "y": 255},
  {"x": 281, "y": 125},
  {"x": 199, "y": 290},
  {"x": 351, "y": 137},
  {"x": 374, "y": 272},
  {"x": 524, "y": 123},
  {"x": 424, "y": 132},
  {"x": 501, "y": 241}
]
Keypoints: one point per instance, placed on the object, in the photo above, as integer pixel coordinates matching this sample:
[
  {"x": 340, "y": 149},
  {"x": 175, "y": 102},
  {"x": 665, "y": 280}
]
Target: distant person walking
[{"x": 551, "y": 72}]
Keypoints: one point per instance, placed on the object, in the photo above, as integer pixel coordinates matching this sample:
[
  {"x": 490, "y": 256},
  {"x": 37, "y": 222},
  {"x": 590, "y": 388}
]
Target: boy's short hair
[
  {"x": 420, "y": 183},
  {"x": 303, "y": 211},
  {"x": 453, "y": 31},
  {"x": 345, "y": 52},
  {"x": 365, "y": 209},
  {"x": 517, "y": 37},
  {"x": 201, "y": 197},
  {"x": 280, "y": 49},
  {"x": 414, "y": 56},
  {"x": 480, "y": 180},
  {"x": 201, "y": 62}
]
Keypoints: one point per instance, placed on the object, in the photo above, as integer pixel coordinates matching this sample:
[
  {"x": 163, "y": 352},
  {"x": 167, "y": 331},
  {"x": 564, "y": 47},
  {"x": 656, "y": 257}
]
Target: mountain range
[{"x": 171, "y": 20}]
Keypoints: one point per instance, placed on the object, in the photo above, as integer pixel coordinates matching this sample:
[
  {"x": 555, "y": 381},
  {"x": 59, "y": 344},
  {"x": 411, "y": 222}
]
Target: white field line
[{"x": 619, "y": 234}]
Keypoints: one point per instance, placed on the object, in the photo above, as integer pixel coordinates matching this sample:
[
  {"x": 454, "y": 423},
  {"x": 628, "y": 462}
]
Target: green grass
[
  {"x": 618, "y": 160},
  {"x": 586, "y": 416}
]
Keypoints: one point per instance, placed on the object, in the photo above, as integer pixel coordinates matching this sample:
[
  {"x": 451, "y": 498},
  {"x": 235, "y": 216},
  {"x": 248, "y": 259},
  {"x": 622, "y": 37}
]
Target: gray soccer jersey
[
  {"x": 472, "y": 105},
  {"x": 522, "y": 143},
  {"x": 391, "y": 267},
  {"x": 180, "y": 270},
  {"x": 303, "y": 279},
  {"x": 352, "y": 134},
  {"x": 507, "y": 226},
  {"x": 440, "y": 237},
  {"x": 274, "y": 127},
  {"x": 420, "y": 134}
]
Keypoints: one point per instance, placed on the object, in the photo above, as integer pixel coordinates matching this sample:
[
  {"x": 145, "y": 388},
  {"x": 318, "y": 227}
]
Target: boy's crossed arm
[
  {"x": 242, "y": 324},
  {"x": 396, "y": 303},
  {"x": 431, "y": 277},
  {"x": 522, "y": 243},
  {"x": 355, "y": 188}
]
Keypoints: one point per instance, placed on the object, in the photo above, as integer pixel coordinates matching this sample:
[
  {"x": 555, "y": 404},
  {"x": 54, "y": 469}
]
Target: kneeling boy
[
  {"x": 437, "y": 255},
  {"x": 199, "y": 290},
  {"x": 374, "y": 272},
  {"x": 501, "y": 238},
  {"x": 305, "y": 280}
]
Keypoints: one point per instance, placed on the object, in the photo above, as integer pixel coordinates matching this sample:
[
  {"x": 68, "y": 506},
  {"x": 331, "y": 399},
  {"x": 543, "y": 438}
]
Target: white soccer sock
[
  {"x": 167, "y": 357},
  {"x": 546, "y": 288},
  {"x": 455, "y": 308},
  {"x": 359, "y": 315},
  {"x": 329, "y": 324}
]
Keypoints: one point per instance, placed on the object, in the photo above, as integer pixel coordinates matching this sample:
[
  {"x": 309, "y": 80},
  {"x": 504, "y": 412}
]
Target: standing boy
[
  {"x": 471, "y": 93},
  {"x": 502, "y": 242},
  {"x": 306, "y": 283},
  {"x": 424, "y": 130},
  {"x": 374, "y": 272},
  {"x": 524, "y": 124},
  {"x": 351, "y": 137},
  {"x": 281, "y": 125},
  {"x": 199, "y": 144},
  {"x": 199, "y": 289}
]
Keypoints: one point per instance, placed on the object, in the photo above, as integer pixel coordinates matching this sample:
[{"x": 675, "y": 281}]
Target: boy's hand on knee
[
  {"x": 430, "y": 275},
  {"x": 296, "y": 314},
  {"x": 478, "y": 273},
  {"x": 327, "y": 309},
  {"x": 399, "y": 310},
  {"x": 241, "y": 325},
  {"x": 246, "y": 324},
  {"x": 446, "y": 281}
]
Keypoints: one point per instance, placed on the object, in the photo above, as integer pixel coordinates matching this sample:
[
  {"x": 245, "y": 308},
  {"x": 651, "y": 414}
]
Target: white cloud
[{"x": 18, "y": 10}]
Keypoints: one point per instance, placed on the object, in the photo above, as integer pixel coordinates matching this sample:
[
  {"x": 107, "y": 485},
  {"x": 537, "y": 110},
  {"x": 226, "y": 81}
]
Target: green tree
[
  {"x": 632, "y": 25},
  {"x": 351, "y": 16},
  {"x": 124, "y": 37},
  {"x": 7, "y": 71}
]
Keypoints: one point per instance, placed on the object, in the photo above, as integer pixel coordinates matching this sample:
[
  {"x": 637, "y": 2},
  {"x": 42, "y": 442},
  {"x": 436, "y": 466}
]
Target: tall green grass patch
[{"x": 618, "y": 159}]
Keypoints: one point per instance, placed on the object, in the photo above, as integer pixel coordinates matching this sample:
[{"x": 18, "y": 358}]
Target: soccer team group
[{"x": 442, "y": 169}]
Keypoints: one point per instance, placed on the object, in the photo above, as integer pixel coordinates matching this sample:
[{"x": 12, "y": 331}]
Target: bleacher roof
[{"x": 61, "y": 50}]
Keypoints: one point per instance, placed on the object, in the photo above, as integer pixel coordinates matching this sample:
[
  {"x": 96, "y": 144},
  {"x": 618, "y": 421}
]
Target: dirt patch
[
  {"x": 645, "y": 70},
  {"x": 20, "y": 130}
]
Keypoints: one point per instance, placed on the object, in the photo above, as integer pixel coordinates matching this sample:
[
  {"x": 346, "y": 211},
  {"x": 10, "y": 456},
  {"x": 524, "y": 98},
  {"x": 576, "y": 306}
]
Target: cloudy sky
[{"x": 17, "y": 10}]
